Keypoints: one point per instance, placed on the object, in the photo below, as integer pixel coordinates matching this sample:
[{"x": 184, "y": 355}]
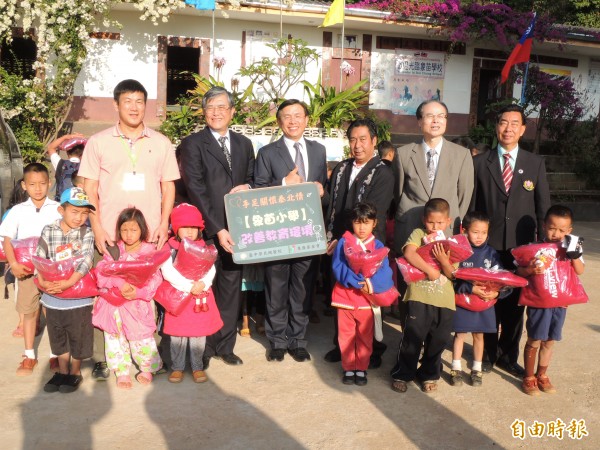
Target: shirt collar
[
  {"x": 216, "y": 135},
  {"x": 47, "y": 201},
  {"x": 437, "y": 148},
  {"x": 513, "y": 153},
  {"x": 290, "y": 143},
  {"x": 117, "y": 132}
]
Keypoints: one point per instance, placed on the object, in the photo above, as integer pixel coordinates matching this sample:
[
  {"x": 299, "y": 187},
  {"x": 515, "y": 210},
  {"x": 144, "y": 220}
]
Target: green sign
[{"x": 274, "y": 223}]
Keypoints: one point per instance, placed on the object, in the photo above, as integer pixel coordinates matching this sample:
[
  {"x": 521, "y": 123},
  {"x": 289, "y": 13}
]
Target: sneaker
[
  {"x": 199, "y": 376},
  {"x": 26, "y": 367},
  {"x": 55, "y": 382},
  {"x": 70, "y": 384},
  {"x": 456, "y": 378},
  {"x": 544, "y": 385},
  {"x": 476, "y": 378},
  {"x": 101, "y": 371},
  {"x": 530, "y": 386},
  {"x": 54, "y": 364}
]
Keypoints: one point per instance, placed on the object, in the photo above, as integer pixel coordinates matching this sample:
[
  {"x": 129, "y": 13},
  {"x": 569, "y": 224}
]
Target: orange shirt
[{"x": 111, "y": 159}]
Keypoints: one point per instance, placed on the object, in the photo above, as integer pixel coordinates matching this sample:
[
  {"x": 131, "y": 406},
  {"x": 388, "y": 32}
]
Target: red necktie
[{"x": 507, "y": 172}]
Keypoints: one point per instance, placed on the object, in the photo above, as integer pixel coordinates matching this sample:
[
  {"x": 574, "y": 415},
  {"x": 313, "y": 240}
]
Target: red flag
[{"x": 522, "y": 52}]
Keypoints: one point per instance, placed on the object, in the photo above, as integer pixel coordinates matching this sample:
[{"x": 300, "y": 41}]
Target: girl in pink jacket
[{"x": 124, "y": 311}]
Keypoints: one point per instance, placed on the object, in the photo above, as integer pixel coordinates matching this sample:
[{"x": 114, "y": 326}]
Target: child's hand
[
  {"x": 440, "y": 254},
  {"x": 20, "y": 270},
  {"x": 484, "y": 293},
  {"x": 43, "y": 283},
  {"x": 433, "y": 274},
  {"x": 331, "y": 247},
  {"x": 365, "y": 287},
  {"x": 536, "y": 268},
  {"x": 197, "y": 287},
  {"x": 128, "y": 291}
]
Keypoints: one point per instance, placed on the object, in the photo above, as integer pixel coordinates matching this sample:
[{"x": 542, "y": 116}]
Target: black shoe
[
  {"x": 512, "y": 368},
  {"x": 101, "y": 371},
  {"x": 333, "y": 356},
  {"x": 205, "y": 362},
  {"x": 276, "y": 354},
  {"x": 230, "y": 359},
  {"x": 374, "y": 361},
  {"x": 348, "y": 379},
  {"x": 486, "y": 367},
  {"x": 70, "y": 384},
  {"x": 54, "y": 384},
  {"x": 299, "y": 354},
  {"x": 360, "y": 381}
]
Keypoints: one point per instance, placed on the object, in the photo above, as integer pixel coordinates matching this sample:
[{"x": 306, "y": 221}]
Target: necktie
[
  {"x": 431, "y": 166},
  {"x": 299, "y": 161},
  {"x": 507, "y": 172},
  {"x": 223, "y": 142}
]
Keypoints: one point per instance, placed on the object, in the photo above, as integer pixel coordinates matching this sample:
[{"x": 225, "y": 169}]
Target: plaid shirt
[{"x": 55, "y": 237}]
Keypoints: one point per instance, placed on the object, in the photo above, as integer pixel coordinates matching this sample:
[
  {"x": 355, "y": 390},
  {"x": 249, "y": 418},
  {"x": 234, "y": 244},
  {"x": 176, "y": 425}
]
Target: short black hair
[
  {"x": 385, "y": 148},
  {"x": 290, "y": 102},
  {"x": 559, "y": 211},
  {"x": 464, "y": 141},
  {"x": 363, "y": 211},
  {"x": 512, "y": 108},
  {"x": 365, "y": 122},
  {"x": 129, "y": 86},
  {"x": 438, "y": 205},
  {"x": 76, "y": 151},
  {"x": 474, "y": 216},
  {"x": 35, "y": 168},
  {"x": 136, "y": 215},
  {"x": 419, "y": 112}
]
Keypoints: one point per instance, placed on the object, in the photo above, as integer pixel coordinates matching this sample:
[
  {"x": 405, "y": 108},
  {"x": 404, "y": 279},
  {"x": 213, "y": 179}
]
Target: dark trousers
[
  {"x": 288, "y": 290},
  {"x": 509, "y": 315},
  {"x": 428, "y": 325},
  {"x": 227, "y": 288}
]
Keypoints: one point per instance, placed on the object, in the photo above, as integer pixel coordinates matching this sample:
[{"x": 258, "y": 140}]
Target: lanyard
[{"x": 130, "y": 149}]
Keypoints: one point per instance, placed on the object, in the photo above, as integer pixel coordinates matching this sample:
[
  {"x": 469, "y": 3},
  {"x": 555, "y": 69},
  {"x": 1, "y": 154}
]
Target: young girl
[
  {"x": 190, "y": 326},
  {"x": 129, "y": 327},
  {"x": 355, "y": 317},
  {"x": 476, "y": 226}
]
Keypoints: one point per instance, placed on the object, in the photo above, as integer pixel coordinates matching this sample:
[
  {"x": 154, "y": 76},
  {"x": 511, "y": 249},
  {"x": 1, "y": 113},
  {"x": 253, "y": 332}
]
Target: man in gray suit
[
  {"x": 289, "y": 283},
  {"x": 428, "y": 169}
]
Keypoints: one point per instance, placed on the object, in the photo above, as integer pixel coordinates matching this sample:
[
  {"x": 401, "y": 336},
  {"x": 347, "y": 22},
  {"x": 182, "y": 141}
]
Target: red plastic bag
[
  {"x": 2, "y": 254},
  {"x": 84, "y": 288},
  {"x": 55, "y": 270},
  {"x": 173, "y": 300},
  {"x": 473, "y": 302},
  {"x": 194, "y": 259},
  {"x": 492, "y": 280},
  {"x": 559, "y": 285},
  {"x": 458, "y": 245},
  {"x": 25, "y": 249},
  {"x": 137, "y": 272},
  {"x": 113, "y": 296},
  {"x": 364, "y": 262},
  {"x": 384, "y": 298}
]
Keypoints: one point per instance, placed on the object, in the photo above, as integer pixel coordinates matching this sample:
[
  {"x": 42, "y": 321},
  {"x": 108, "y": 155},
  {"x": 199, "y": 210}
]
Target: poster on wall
[{"x": 402, "y": 80}]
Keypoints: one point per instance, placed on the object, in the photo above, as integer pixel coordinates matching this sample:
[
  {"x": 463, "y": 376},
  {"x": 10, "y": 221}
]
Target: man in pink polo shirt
[{"x": 128, "y": 165}]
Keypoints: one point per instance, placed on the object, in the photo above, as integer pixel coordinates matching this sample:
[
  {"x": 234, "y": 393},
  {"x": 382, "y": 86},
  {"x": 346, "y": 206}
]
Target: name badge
[
  {"x": 134, "y": 181},
  {"x": 64, "y": 252}
]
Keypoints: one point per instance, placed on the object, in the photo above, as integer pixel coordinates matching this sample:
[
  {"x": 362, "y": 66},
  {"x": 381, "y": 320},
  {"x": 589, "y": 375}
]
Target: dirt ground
[{"x": 293, "y": 405}]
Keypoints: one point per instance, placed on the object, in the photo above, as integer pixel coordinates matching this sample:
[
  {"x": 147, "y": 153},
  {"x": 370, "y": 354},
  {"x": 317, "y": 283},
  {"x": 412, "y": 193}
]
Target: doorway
[{"x": 182, "y": 62}]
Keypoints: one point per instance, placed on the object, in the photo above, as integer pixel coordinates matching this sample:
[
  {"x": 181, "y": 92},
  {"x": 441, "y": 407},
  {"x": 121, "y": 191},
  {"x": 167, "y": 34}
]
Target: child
[
  {"x": 355, "y": 317},
  {"x": 73, "y": 144},
  {"x": 25, "y": 220},
  {"x": 430, "y": 306},
  {"x": 189, "y": 327},
  {"x": 69, "y": 322},
  {"x": 544, "y": 325},
  {"x": 476, "y": 226},
  {"x": 129, "y": 328},
  {"x": 77, "y": 180}
]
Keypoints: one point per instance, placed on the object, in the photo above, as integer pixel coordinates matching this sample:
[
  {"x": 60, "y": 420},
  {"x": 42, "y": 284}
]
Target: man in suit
[
  {"x": 289, "y": 283},
  {"x": 363, "y": 178},
  {"x": 511, "y": 187},
  {"x": 214, "y": 162},
  {"x": 432, "y": 168}
]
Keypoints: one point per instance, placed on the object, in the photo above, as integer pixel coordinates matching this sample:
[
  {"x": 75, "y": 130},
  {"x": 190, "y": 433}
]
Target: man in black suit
[
  {"x": 363, "y": 178},
  {"x": 289, "y": 283},
  {"x": 511, "y": 187},
  {"x": 215, "y": 162}
]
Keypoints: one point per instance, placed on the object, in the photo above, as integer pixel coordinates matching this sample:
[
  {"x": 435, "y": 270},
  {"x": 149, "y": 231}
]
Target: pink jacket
[{"x": 137, "y": 315}]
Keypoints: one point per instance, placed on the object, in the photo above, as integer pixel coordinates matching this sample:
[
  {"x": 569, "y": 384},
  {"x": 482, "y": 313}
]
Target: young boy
[
  {"x": 355, "y": 317},
  {"x": 544, "y": 325},
  {"x": 73, "y": 144},
  {"x": 429, "y": 304},
  {"x": 69, "y": 322},
  {"x": 26, "y": 220}
]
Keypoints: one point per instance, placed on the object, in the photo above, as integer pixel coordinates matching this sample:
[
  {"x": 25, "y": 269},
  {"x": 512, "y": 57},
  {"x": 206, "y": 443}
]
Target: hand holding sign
[{"x": 293, "y": 177}]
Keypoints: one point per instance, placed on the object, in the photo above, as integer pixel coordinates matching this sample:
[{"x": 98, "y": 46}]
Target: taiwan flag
[{"x": 521, "y": 52}]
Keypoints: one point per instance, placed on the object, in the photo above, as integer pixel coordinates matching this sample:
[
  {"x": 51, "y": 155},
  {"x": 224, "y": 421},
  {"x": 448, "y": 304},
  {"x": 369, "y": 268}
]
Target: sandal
[
  {"x": 429, "y": 387},
  {"x": 124, "y": 382},
  {"x": 245, "y": 332},
  {"x": 176, "y": 376},
  {"x": 18, "y": 332},
  {"x": 144, "y": 378},
  {"x": 399, "y": 386}
]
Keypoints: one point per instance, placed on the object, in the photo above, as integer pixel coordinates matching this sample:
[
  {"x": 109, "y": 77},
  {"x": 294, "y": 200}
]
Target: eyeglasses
[
  {"x": 442, "y": 116},
  {"x": 512, "y": 125},
  {"x": 218, "y": 108}
]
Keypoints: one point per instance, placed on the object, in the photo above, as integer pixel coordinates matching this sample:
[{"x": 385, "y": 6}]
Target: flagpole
[
  {"x": 280, "y": 19},
  {"x": 342, "y": 57},
  {"x": 214, "y": 42}
]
